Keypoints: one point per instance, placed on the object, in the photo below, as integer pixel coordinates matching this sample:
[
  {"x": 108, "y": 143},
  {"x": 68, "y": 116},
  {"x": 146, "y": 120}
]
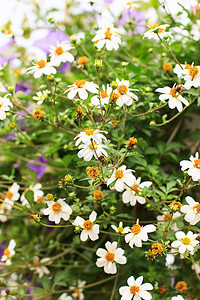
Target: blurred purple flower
[
  {"x": 10, "y": 137},
  {"x": 24, "y": 87},
  {"x": 138, "y": 19},
  {"x": 38, "y": 166},
  {"x": 6, "y": 47}
]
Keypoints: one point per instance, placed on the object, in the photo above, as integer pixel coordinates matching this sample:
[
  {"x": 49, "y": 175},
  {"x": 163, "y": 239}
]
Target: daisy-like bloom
[
  {"x": 166, "y": 216},
  {"x": 108, "y": 36},
  {"x": 64, "y": 296},
  {"x": 192, "y": 211},
  {"x": 123, "y": 94},
  {"x": 41, "y": 96},
  {"x": 9, "y": 252},
  {"x": 3, "y": 217},
  {"x": 135, "y": 289},
  {"x": 178, "y": 297},
  {"x": 90, "y": 229},
  {"x": 185, "y": 243},
  {"x": 174, "y": 96},
  {"x": 193, "y": 166},
  {"x": 57, "y": 210},
  {"x": 90, "y": 134},
  {"x": 39, "y": 266},
  {"x": 60, "y": 53},
  {"x": 80, "y": 87},
  {"x": 154, "y": 29},
  {"x": 131, "y": 193},
  {"x": 93, "y": 149},
  {"x": 121, "y": 177},
  {"x": 195, "y": 31},
  {"x": 192, "y": 77},
  {"x": 41, "y": 67},
  {"x": 5, "y": 105},
  {"x": 103, "y": 97},
  {"x": 78, "y": 292},
  {"x": 37, "y": 194},
  {"x": 11, "y": 195},
  {"x": 180, "y": 71},
  {"x": 138, "y": 234},
  {"x": 109, "y": 256},
  {"x": 120, "y": 228}
]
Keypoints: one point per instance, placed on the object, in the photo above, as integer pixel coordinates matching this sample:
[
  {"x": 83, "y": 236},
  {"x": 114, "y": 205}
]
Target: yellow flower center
[
  {"x": 193, "y": 71},
  {"x": 197, "y": 163},
  {"x": 167, "y": 217},
  {"x": 104, "y": 94},
  {"x": 110, "y": 257},
  {"x": 154, "y": 26},
  {"x": 80, "y": 83},
  {"x": 119, "y": 174},
  {"x": 134, "y": 187},
  {"x": 134, "y": 289},
  {"x": 1, "y": 105},
  {"x": 6, "y": 252},
  {"x": 197, "y": 208},
  {"x": 122, "y": 89},
  {"x": 56, "y": 207},
  {"x": 59, "y": 50},
  {"x": 174, "y": 93},
  {"x": 9, "y": 194},
  {"x": 135, "y": 229},
  {"x": 88, "y": 225},
  {"x": 120, "y": 229},
  {"x": 93, "y": 146},
  {"x": 41, "y": 63},
  {"x": 89, "y": 131},
  {"x": 186, "y": 241},
  {"x": 108, "y": 34}
]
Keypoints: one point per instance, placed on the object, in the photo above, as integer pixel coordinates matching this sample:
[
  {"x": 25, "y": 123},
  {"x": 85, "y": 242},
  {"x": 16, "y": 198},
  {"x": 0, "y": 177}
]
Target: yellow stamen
[
  {"x": 59, "y": 50},
  {"x": 134, "y": 290},
  {"x": 134, "y": 187},
  {"x": 119, "y": 174},
  {"x": 104, "y": 94},
  {"x": 193, "y": 71},
  {"x": 186, "y": 241},
  {"x": 108, "y": 34},
  {"x": 197, "y": 163},
  {"x": 197, "y": 208},
  {"x": 136, "y": 229},
  {"x": 80, "y": 83},
  {"x": 122, "y": 89},
  {"x": 110, "y": 257},
  {"x": 89, "y": 131},
  {"x": 41, "y": 63},
  {"x": 9, "y": 194},
  {"x": 56, "y": 207},
  {"x": 88, "y": 225},
  {"x": 6, "y": 252}
]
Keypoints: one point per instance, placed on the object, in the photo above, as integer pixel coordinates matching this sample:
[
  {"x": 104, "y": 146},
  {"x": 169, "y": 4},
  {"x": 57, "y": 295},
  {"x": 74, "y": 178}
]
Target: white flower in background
[
  {"x": 123, "y": 93},
  {"x": 154, "y": 29},
  {"x": 60, "y": 53},
  {"x": 81, "y": 87},
  {"x": 104, "y": 96},
  {"x": 8, "y": 253},
  {"x": 185, "y": 242},
  {"x": 174, "y": 96},
  {"x": 57, "y": 210},
  {"x": 92, "y": 149},
  {"x": 39, "y": 266},
  {"x": 41, "y": 67},
  {"x": 3, "y": 217},
  {"x": 11, "y": 195},
  {"x": 192, "y": 211},
  {"x": 41, "y": 96},
  {"x": 192, "y": 77},
  {"x": 120, "y": 228},
  {"x": 178, "y": 297},
  {"x": 5, "y": 105},
  {"x": 131, "y": 5},
  {"x": 193, "y": 166},
  {"x": 109, "y": 257},
  {"x": 135, "y": 289},
  {"x": 108, "y": 36},
  {"x": 37, "y": 194},
  {"x": 180, "y": 71},
  {"x": 90, "y": 134},
  {"x": 169, "y": 261},
  {"x": 196, "y": 267},
  {"x": 64, "y": 296},
  {"x": 168, "y": 216},
  {"x": 131, "y": 194},
  {"x": 90, "y": 229},
  {"x": 138, "y": 234},
  {"x": 78, "y": 291},
  {"x": 195, "y": 31},
  {"x": 121, "y": 177}
]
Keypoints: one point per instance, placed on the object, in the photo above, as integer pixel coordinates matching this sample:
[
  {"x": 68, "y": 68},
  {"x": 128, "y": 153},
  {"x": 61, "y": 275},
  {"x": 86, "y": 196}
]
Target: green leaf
[
  {"x": 29, "y": 195},
  {"x": 9, "y": 75}
]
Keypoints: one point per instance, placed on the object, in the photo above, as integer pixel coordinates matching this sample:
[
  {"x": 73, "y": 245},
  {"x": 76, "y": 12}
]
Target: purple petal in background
[
  {"x": 138, "y": 19},
  {"x": 10, "y": 137},
  {"x": 6, "y": 47},
  {"x": 38, "y": 166},
  {"x": 23, "y": 86},
  {"x": 64, "y": 67}
]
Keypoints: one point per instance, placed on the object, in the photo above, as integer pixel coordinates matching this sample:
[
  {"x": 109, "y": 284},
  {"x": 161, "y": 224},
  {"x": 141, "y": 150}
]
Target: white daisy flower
[
  {"x": 41, "y": 96},
  {"x": 109, "y": 256},
  {"x": 9, "y": 252},
  {"x": 78, "y": 292},
  {"x": 121, "y": 177},
  {"x": 169, "y": 261},
  {"x": 11, "y": 196},
  {"x": 193, "y": 166},
  {"x": 90, "y": 134},
  {"x": 57, "y": 210},
  {"x": 192, "y": 77},
  {"x": 131, "y": 194},
  {"x": 37, "y": 194},
  {"x": 131, "y": 5},
  {"x": 60, "y": 53},
  {"x": 195, "y": 31},
  {"x": 5, "y": 105},
  {"x": 64, "y": 296},
  {"x": 41, "y": 67},
  {"x": 80, "y": 87},
  {"x": 185, "y": 242},
  {"x": 180, "y": 71},
  {"x": 92, "y": 149},
  {"x": 108, "y": 36},
  {"x": 90, "y": 229},
  {"x": 120, "y": 228},
  {"x": 123, "y": 94},
  {"x": 174, "y": 96},
  {"x": 161, "y": 30},
  {"x": 166, "y": 216},
  {"x": 192, "y": 211},
  {"x": 3, "y": 217},
  {"x": 39, "y": 266},
  {"x": 138, "y": 234},
  {"x": 178, "y": 297},
  {"x": 196, "y": 267},
  {"x": 135, "y": 289},
  {"x": 104, "y": 96}
]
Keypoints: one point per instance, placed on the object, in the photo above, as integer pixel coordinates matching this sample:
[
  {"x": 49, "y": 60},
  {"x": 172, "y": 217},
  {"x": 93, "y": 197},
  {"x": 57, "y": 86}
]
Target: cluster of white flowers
[{"x": 5, "y": 105}]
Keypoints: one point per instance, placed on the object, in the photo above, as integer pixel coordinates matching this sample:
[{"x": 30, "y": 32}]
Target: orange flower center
[
  {"x": 108, "y": 34},
  {"x": 134, "y": 290},
  {"x": 40, "y": 199},
  {"x": 154, "y": 26},
  {"x": 135, "y": 229},
  {"x": 167, "y": 217},
  {"x": 9, "y": 194},
  {"x": 89, "y": 131},
  {"x": 77, "y": 292},
  {"x": 88, "y": 225},
  {"x": 134, "y": 187},
  {"x": 6, "y": 252},
  {"x": 110, "y": 257},
  {"x": 56, "y": 207},
  {"x": 104, "y": 94},
  {"x": 93, "y": 146},
  {"x": 174, "y": 93},
  {"x": 161, "y": 30},
  {"x": 83, "y": 60},
  {"x": 36, "y": 261},
  {"x": 193, "y": 71},
  {"x": 197, "y": 163},
  {"x": 59, "y": 50},
  {"x": 114, "y": 96},
  {"x": 119, "y": 174},
  {"x": 187, "y": 66},
  {"x": 80, "y": 83},
  {"x": 122, "y": 89},
  {"x": 197, "y": 208},
  {"x": 186, "y": 241},
  {"x": 41, "y": 63}
]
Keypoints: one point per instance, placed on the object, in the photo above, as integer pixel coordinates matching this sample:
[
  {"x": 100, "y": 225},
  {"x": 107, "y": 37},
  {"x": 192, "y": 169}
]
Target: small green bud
[
  {"x": 51, "y": 20},
  {"x": 152, "y": 123},
  {"x": 114, "y": 84},
  {"x": 58, "y": 80},
  {"x": 50, "y": 77},
  {"x": 72, "y": 195},
  {"x": 68, "y": 178},
  {"x": 11, "y": 89}
]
